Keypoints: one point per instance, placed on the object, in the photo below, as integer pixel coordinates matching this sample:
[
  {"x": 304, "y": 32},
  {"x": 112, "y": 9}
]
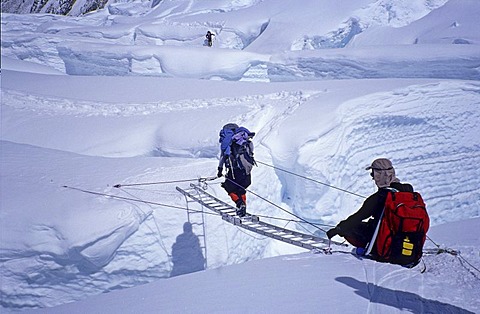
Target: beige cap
[
  {"x": 381, "y": 164},
  {"x": 383, "y": 172}
]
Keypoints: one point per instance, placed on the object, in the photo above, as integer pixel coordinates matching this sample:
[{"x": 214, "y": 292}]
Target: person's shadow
[
  {"x": 187, "y": 255},
  {"x": 405, "y": 301}
]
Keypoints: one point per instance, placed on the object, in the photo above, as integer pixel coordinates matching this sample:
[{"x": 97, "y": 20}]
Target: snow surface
[{"x": 131, "y": 94}]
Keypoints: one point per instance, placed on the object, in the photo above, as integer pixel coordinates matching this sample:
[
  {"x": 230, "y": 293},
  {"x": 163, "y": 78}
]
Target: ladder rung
[{"x": 228, "y": 213}]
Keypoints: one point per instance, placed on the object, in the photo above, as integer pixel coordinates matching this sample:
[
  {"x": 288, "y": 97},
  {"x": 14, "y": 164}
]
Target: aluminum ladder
[{"x": 252, "y": 222}]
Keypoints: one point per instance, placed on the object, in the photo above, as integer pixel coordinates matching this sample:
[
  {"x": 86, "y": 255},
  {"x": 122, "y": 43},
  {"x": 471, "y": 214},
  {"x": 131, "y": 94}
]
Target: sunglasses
[{"x": 378, "y": 169}]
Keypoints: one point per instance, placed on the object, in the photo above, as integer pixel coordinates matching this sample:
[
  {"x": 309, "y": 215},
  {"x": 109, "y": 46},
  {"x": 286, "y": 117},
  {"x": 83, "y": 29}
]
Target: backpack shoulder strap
[
  {"x": 371, "y": 244},
  {"x": 391, "y": 191}
]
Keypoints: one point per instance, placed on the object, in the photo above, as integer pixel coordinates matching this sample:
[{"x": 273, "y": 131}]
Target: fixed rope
[
  {"x": 136, "y": 199},
  {"x": 272, "y": 203},
  {"x": 127, "y": 198},
  {"x": 439, "y": 249},
  {"x": 203, "y": 181},
  {"x": 457, "y": 254},
  {"x": 155, "y": 183},
  {"x": 310, "y": 179}
]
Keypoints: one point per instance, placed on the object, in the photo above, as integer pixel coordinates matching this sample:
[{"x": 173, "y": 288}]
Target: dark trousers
[
  {"x": 237, "y": 181},
  {"x": 359, "y": 235}
]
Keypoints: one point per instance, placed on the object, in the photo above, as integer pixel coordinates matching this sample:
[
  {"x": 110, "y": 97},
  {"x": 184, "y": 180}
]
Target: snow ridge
[
  {"x": 383, "y": 125},
  {"x": 132, "y": 94}
]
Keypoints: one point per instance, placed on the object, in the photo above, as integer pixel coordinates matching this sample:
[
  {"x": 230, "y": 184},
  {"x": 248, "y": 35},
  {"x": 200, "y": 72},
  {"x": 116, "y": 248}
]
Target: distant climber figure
[
  {"x": 210, "y": 37},
  {"x": 237, "y": 155}
]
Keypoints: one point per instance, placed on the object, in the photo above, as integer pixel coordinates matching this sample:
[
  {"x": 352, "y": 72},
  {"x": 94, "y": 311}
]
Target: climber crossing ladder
[{"x": 252, "y": 222}]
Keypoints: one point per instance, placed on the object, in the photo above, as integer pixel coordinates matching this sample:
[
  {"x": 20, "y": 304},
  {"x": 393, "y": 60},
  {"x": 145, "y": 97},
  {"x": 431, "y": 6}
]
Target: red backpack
[{"x": 403, "y": 229}]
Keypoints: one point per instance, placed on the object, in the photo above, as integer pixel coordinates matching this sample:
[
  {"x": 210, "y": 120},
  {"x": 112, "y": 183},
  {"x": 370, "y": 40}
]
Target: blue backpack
[
  {"x": 226, "y": 134},
  {"x": 236, "y": 147}
]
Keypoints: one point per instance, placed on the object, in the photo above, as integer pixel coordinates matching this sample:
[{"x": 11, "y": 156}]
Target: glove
[
  {"x": 332, "y": 232},
  {"x": 220, "y": 172}
]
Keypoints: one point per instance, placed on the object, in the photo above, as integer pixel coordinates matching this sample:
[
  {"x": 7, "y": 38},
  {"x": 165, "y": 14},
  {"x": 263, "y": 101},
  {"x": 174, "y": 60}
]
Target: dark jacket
[{"x": 372, "y": 207}]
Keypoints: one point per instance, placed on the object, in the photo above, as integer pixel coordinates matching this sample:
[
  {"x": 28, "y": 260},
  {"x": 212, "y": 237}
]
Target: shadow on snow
[
  {"x": 187, "y": 256},
  {"x": 399, "y": 299}
]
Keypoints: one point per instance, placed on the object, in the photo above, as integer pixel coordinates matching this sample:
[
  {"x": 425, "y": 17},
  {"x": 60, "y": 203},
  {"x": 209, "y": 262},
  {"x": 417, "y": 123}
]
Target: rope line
[
  {"x": 460, "y": 257},
  {"x": 136, "y": 199},
  {"x": 469, "y": 264},
  {"x": 271, "y": 203},
  {"x": 159, "y": 238},
  {"x": 133, "y": 199},
  {"x": 155, "y": 183},
  {"x": 349, "y": 192},
  {"x": 310, "y": 179},
  {"x": 301, "y": 220}
]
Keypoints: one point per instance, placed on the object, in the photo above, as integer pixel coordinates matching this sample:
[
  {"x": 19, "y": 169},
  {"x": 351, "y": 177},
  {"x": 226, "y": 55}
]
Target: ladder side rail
[
  {"x": 276, "y": 237},
  {"x": 190, "y": 214},
  {"x": 201, "y": 201},
  {"x": 217, "y": 200},
  {"x": 204, "y": 236},
  {"x": 267, "y": 225},
  {"x": 289, "y": 236},
  {"x": 263, "y": 223},
  {"x": 299, "y": 241},
  {"x": 295, "y": 233}
]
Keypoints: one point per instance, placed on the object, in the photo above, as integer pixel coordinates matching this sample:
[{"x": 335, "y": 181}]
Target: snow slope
[
  {"x": 131, "y": 95},
  {"x": 338, "y": 283}
]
